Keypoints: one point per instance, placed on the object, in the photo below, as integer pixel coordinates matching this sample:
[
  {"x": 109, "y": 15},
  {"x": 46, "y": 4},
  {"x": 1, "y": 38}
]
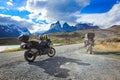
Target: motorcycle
[{"x": 33, "y": 49}]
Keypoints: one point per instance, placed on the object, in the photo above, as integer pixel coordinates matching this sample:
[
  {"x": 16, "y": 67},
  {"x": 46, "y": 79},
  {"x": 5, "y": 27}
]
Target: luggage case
[{"x": 90, "y": 35}]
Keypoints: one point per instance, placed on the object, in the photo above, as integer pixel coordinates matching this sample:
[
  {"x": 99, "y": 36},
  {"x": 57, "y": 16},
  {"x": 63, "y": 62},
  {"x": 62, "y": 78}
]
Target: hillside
[{"x": 115, "y": 28}]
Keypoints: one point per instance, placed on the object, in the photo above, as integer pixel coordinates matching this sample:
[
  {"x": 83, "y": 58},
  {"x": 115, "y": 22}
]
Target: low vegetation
[
  {"x": 11, "y": 50},
  {"x": 108, "y": 46}
]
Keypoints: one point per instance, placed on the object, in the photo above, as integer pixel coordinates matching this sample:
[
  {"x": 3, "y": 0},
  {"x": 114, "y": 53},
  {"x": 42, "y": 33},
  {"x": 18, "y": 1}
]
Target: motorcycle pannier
[{"x": 23, "y": 38}]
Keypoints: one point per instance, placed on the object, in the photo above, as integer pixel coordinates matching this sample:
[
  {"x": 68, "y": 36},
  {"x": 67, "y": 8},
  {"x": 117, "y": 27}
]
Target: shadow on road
[{"x": 52, "y": 66}]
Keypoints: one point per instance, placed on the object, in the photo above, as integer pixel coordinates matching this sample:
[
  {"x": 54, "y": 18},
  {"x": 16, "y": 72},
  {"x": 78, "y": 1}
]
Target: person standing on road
[{"x": 89, "y": 42}]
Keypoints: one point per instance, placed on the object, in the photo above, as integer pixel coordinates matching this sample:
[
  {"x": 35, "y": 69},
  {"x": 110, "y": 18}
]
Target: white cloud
[
  {"x": 33, "y": 15},
  {"x": 7, "y": 19},
  {"x": 33, "y": 27},
  {"x": 2, "y": 7},
  {"x": 9, "y": 4},
  {"x": 11, "y": 0},
  {"x": 104, "y": 20},
  {"x": 53, "y": 10},
  {"x": 40, "y": 28},
  {"x": 21, "y": 8}
]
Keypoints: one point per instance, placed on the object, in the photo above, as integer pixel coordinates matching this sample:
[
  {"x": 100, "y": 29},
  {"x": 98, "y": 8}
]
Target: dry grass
[
  {"x": 108, "y": 46},
  {"x": 11, "y": 50}
]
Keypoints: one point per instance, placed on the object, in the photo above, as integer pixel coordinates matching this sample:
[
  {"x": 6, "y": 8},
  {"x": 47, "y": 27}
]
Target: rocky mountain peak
[
  {"x": 56, "y": 27},
  {"x": 66, "y": 25}
]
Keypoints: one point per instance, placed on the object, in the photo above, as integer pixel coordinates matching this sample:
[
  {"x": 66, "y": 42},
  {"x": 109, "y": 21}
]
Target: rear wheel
[
  {"x": 52, "y": 52},
  {"x": 29, "y": 56}
]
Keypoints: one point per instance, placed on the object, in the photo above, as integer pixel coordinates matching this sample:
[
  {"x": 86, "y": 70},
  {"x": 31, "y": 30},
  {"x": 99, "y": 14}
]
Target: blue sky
[
  {"x": 99, "y": 6},
  {"x": 37, "y": 15}
]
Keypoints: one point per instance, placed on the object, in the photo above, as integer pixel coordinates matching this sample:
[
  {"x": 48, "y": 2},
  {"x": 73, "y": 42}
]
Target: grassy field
[
  {"x": 109, "y": 46},
  {"x": 66, "y": 38},
  {"x": 108, "y": 49}
]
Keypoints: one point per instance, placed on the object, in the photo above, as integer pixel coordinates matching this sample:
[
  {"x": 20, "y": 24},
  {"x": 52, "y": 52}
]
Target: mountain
[
  {"x": 56, "y": 27},
  {"x": 68, "y": 28},
  {"x": 85, "y": 26},
  {"x": 12, "y": 30},
  {"x": 115, "y": 28}
]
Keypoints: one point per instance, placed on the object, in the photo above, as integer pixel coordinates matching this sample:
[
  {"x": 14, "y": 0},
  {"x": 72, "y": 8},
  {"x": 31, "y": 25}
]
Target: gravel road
[{"x": 70, "y": 63}]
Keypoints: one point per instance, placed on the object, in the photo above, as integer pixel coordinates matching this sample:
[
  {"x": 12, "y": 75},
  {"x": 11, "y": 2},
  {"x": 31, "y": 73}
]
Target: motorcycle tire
[
  {"x": 29, "y": 56},
  {"x": 52, "y": 52}
]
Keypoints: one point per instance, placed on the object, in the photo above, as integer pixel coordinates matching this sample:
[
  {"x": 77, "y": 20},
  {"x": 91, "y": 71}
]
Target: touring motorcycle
[{"x": 33, "y": 48}]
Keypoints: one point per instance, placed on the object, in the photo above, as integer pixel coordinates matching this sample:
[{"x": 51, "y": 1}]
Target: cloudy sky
[{"x": 37, "y": 15}]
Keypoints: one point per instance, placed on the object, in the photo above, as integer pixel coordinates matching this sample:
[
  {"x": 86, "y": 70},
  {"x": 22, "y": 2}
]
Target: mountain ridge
[
  {"x": 56, "y": 27},
  {"x": 11, "y": 30}
]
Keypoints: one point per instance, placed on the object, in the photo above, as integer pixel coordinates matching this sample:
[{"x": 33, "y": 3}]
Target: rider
[{"x": 45, "y": 41}]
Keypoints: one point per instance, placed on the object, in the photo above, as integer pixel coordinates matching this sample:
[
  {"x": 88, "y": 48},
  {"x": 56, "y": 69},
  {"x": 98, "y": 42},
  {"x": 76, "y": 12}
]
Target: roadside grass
[
  {"x": 108, "y": 49},
  {"x": 11, "y": 50},
  {"x": 108, "y": 46}
]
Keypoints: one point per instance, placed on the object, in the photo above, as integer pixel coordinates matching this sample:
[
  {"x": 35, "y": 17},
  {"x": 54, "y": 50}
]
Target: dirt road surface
[{"x": 70, "y": 63}]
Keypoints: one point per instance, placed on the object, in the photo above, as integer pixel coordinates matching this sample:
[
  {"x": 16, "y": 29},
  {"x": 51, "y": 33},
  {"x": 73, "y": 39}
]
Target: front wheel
[
  {"x": 52, "y": 52},
  {"x": 29, "y": 56}
]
